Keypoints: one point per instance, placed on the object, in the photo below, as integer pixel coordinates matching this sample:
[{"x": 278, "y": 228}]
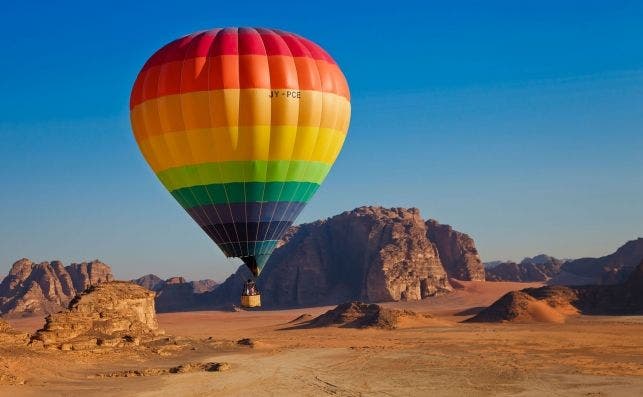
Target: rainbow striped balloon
[{"x": 241, "y": 125}]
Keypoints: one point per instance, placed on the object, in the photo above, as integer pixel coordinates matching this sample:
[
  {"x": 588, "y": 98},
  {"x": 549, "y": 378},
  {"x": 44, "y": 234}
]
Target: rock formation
[
  {"x": 47, "y": 287},
  {"x": 86, "y": 274},
  {"x": 553, "y": 303},
  {"x": 610, "y": 269},
  {"x": 370, "y": 253},
  {"x": 175, "y": 293},
  {"x": 108, "y": 314},
  {"x": 10, "y": 336},
  {"x": 363, "y": 315},
  {"x": 520, "y": 307},
  {"x": 538, "y": 268},
  {"x": 457, "y": 251}
]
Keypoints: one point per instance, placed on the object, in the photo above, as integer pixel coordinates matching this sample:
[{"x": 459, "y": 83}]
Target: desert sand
[{"x": 439, "y": 356}]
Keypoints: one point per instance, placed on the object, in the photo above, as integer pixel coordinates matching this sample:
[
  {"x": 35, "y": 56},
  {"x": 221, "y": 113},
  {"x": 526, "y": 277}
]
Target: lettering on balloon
[{"x": 293, "y": 94}]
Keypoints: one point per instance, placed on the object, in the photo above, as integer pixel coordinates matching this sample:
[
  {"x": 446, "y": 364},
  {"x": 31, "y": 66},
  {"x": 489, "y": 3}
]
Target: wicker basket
[{"x": 250, "y": 300}]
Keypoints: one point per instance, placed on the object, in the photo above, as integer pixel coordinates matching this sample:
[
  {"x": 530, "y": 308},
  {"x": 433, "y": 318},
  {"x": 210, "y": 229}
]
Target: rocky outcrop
[
  {"x": 9, "y": 336},
  {"x": 538, "y": 268},
  {"x": 609, "y": 269},
  {"x": 519, "y": 307},
  {"x": 554, "y": 303},
  {"x": 371, "y": 253},
  {"x": 457, "y": 251},
  {"x": 47, "y": 287},
  {"x": 363, "y": 315},
  {"x": 108, "y": 314}
]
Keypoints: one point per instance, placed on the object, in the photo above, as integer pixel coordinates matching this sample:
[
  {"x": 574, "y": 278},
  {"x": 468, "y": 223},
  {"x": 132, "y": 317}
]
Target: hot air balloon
[{"x": 241, "y": 125}]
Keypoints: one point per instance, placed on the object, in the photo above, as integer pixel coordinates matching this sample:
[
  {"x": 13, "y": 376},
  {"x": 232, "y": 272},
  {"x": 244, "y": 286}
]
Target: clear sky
[{"x": 520, "y": 124}]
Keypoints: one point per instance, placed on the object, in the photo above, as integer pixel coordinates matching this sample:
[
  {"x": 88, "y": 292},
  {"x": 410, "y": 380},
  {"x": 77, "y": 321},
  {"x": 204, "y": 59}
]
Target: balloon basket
[{"x": 251, "y": 301}]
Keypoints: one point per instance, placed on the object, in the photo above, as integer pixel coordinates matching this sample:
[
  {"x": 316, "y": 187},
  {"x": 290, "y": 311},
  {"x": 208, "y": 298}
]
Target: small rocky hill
[
  {"x": 47, "y": 287},
  {"x": 363, "y": 315}
]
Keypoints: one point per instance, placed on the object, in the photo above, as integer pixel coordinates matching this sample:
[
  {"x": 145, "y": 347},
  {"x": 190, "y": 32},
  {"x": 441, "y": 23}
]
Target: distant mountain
[
  {"x": 490, "y": 264},
  {"x": 155, "y": 283},
  {"x": 539, "y": 268},
  {"x": 47, "y": 287},
  {"x": 610, "y": 269},
  {"x": 175, "y": 293},
  {"x": 554, "y": 303},
  {"x": 150, "y": 281}
]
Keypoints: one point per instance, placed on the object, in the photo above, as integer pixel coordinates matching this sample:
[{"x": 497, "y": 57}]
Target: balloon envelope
[{"x": 241, "y": 125}]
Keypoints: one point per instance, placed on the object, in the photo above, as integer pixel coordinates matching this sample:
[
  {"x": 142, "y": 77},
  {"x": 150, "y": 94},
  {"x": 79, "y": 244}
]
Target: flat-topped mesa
[{"x": 108, "y": 314}]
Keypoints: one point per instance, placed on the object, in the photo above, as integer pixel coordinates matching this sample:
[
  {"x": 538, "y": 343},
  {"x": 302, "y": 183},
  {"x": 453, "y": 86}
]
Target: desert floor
[{"x": 586, "y": 356}]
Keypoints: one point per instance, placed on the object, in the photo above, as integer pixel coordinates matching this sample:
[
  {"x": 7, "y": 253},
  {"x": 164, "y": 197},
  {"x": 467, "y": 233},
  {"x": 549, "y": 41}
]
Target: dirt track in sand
[{"x": 584, "y": 356}]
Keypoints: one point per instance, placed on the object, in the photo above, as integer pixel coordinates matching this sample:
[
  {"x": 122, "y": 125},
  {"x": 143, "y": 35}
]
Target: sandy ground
[{"x": 586, "y": 356}]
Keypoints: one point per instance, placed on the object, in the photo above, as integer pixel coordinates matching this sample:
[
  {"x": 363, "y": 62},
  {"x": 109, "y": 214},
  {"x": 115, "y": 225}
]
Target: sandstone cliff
[
  {"x": 47, "y": 287},
  {"x": 457, "y": 251},
  {"x": 371, "y": 253}
]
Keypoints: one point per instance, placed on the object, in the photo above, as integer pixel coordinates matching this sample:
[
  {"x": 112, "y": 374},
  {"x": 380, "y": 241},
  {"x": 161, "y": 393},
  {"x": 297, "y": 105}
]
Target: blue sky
[{"x": 520, "y": 124}]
